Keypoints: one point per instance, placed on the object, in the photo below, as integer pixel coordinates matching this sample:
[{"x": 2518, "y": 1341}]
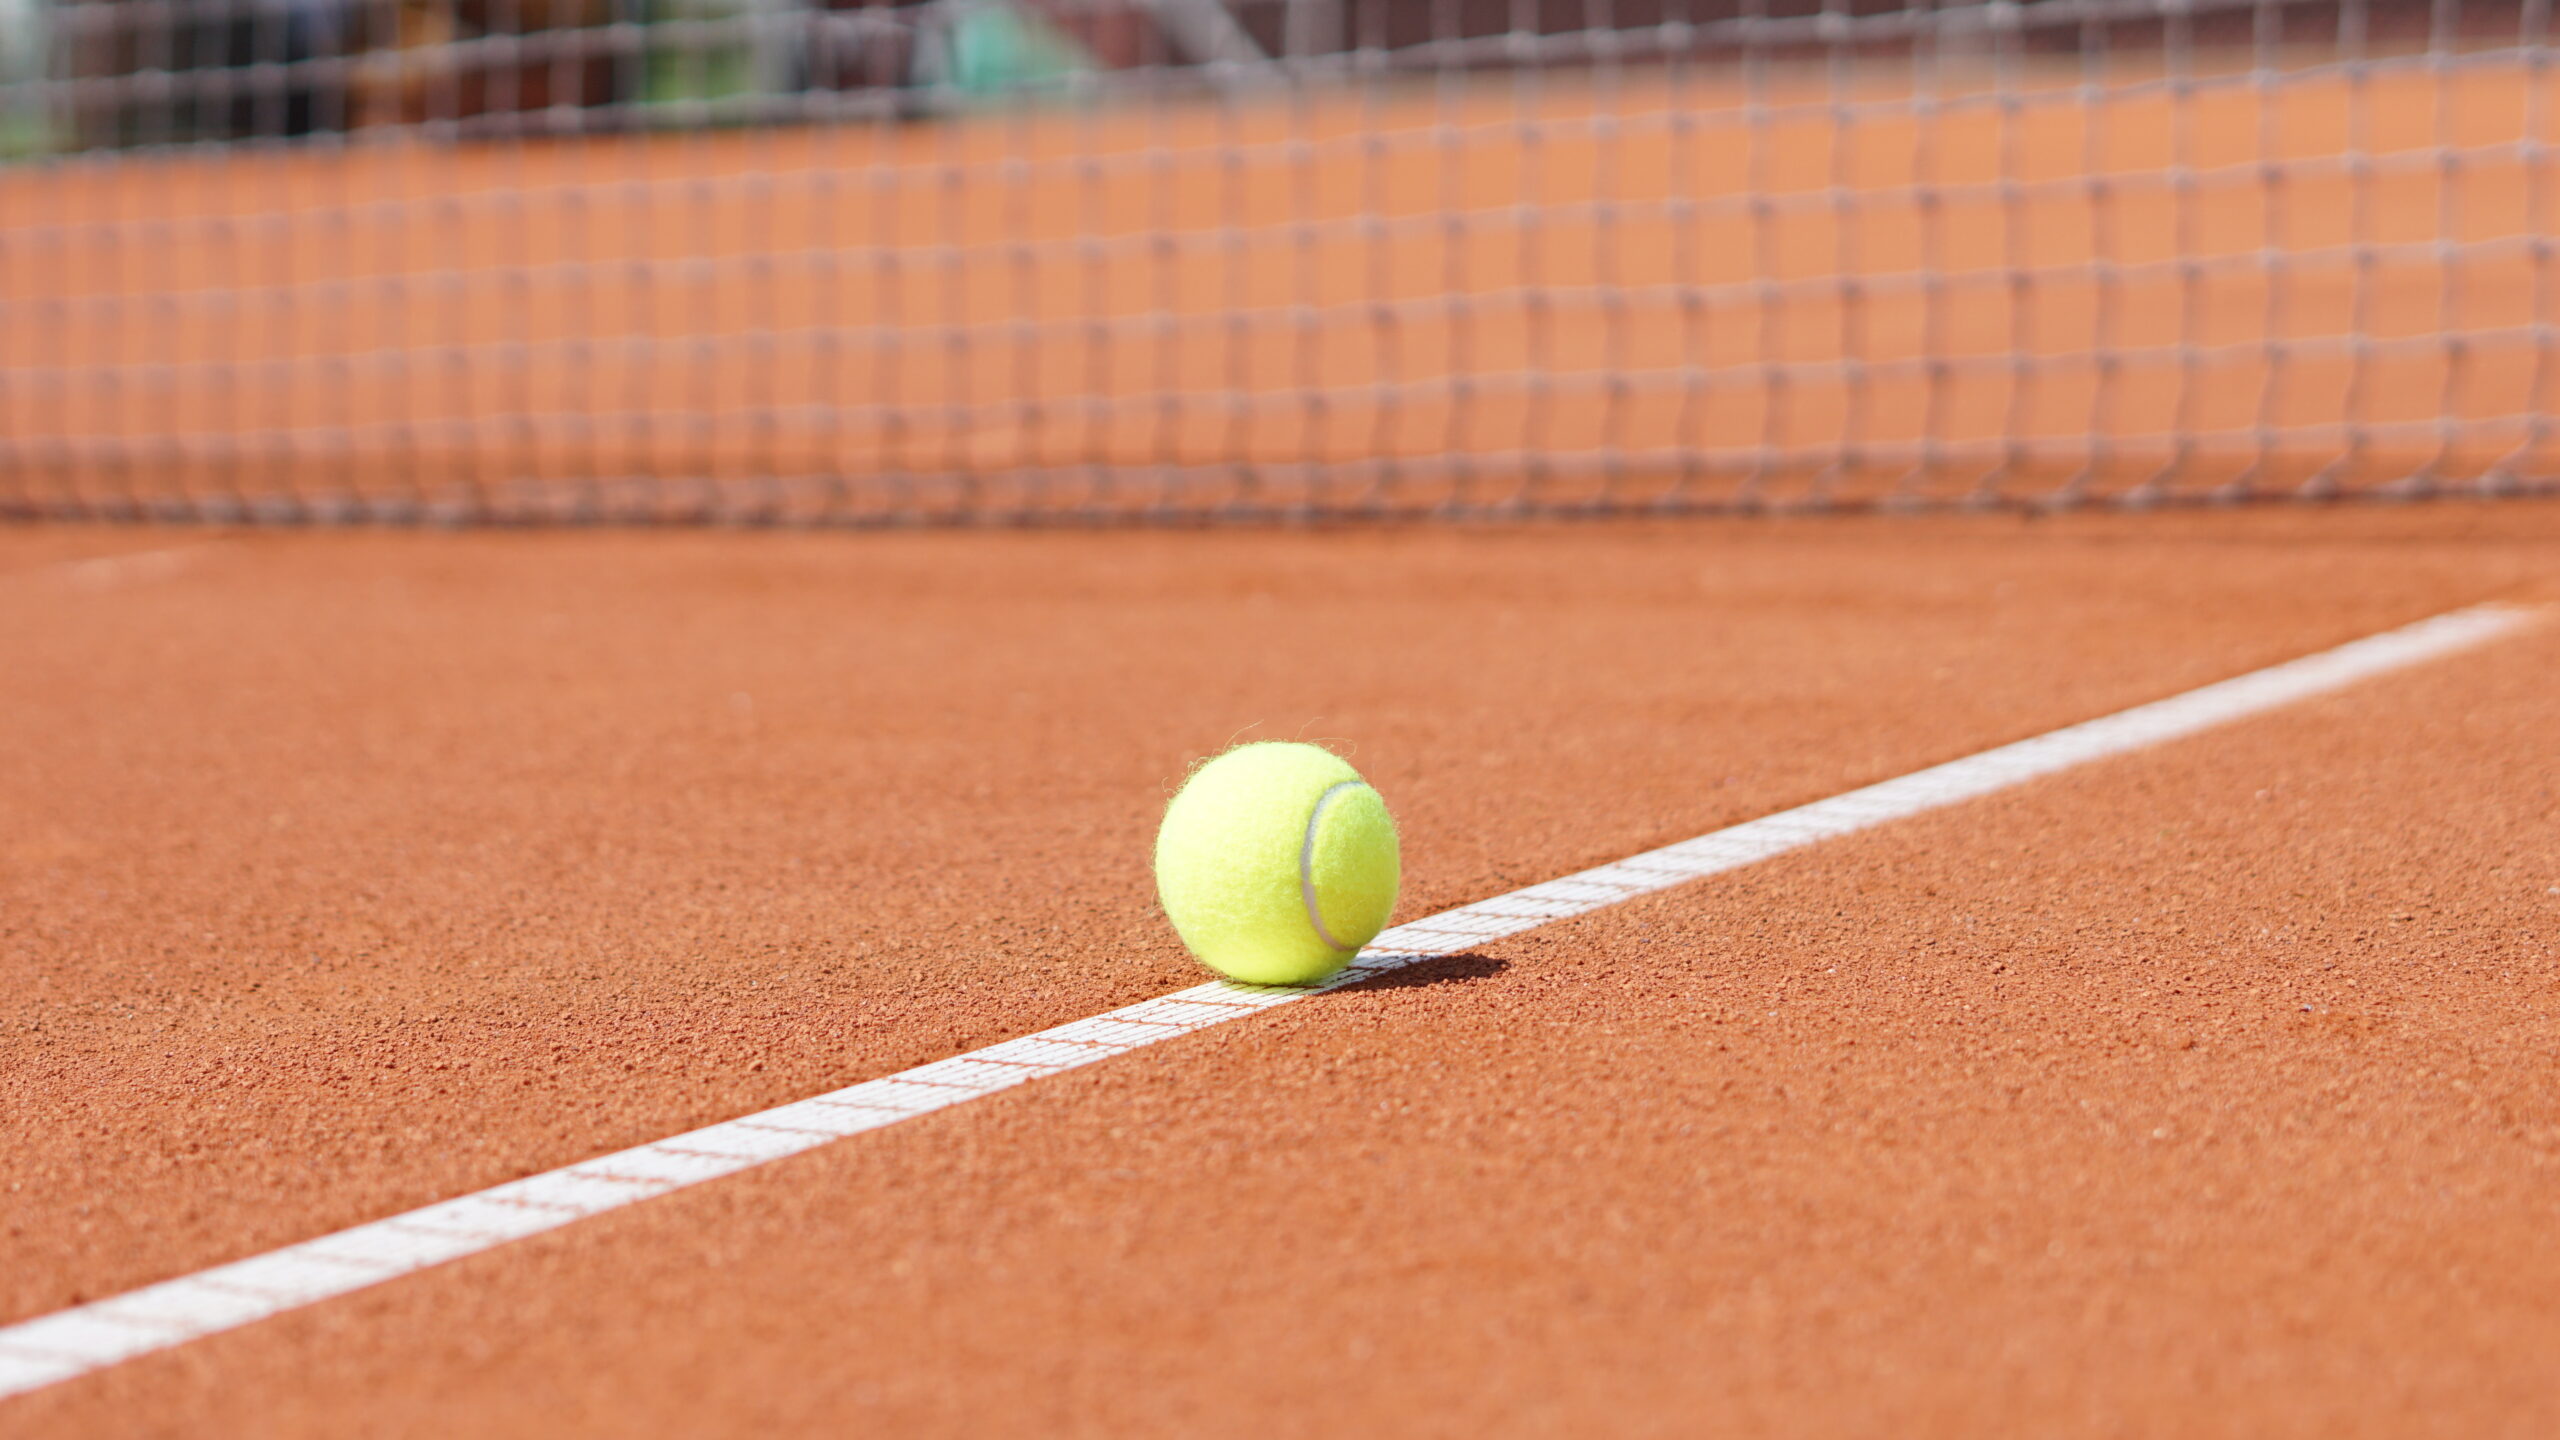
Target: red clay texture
[{"x": 349, "y": 872}]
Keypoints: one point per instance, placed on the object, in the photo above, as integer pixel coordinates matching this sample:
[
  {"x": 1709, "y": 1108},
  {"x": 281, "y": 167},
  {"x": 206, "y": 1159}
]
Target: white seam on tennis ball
[
  {"x": 1307, "y": 860},
  {"x": 68, "y": 1343}
]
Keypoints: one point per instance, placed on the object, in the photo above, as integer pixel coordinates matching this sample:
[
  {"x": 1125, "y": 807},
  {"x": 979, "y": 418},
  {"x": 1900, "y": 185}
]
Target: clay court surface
[{"x": 2204, "y": 1091}]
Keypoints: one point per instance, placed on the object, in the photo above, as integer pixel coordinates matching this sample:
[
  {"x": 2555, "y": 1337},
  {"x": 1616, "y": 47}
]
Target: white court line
[
  {"x": 90, "y": 1337},
  {"x": 104, "y": 572}
]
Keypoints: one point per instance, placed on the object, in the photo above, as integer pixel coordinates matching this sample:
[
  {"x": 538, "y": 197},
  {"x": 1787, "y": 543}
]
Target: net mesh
[{"x": 795, "y": 261}]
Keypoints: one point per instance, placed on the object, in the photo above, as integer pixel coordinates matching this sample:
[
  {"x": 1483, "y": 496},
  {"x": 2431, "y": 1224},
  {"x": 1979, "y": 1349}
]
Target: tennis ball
[{"x": 1276, "y": 863}]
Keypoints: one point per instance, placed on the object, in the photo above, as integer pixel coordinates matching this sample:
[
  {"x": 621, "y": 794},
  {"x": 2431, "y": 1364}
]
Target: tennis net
[{"x": 797, "y": 261}]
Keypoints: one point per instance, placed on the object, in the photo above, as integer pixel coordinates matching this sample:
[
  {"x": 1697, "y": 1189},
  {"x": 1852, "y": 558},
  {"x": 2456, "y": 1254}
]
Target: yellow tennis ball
[{"x": 1276, "y": 863}]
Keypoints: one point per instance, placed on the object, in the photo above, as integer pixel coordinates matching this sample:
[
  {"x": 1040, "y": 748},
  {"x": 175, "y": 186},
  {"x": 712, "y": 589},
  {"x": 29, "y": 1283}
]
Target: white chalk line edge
[{"x": 57, "y": 1347}]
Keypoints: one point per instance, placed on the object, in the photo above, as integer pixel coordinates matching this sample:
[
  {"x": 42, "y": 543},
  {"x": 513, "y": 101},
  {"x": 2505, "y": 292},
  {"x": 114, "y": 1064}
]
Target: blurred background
[{"x": 144, "y": 72}]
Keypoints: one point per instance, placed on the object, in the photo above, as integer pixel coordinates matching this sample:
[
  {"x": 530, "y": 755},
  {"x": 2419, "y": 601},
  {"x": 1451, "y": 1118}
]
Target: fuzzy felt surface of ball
[{"x": 1276, "y": 862}]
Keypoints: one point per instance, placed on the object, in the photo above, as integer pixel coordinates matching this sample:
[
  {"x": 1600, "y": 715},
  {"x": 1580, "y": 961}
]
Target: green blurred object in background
[
  {"x": 705, "y": 56},
  {"x": 24, "y": 126},
  {"x": 999, "y": 49}
]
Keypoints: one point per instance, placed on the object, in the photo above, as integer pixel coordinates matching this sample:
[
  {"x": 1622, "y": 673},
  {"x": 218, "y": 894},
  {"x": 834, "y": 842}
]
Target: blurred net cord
[{"x": 1105, "y": 261}]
